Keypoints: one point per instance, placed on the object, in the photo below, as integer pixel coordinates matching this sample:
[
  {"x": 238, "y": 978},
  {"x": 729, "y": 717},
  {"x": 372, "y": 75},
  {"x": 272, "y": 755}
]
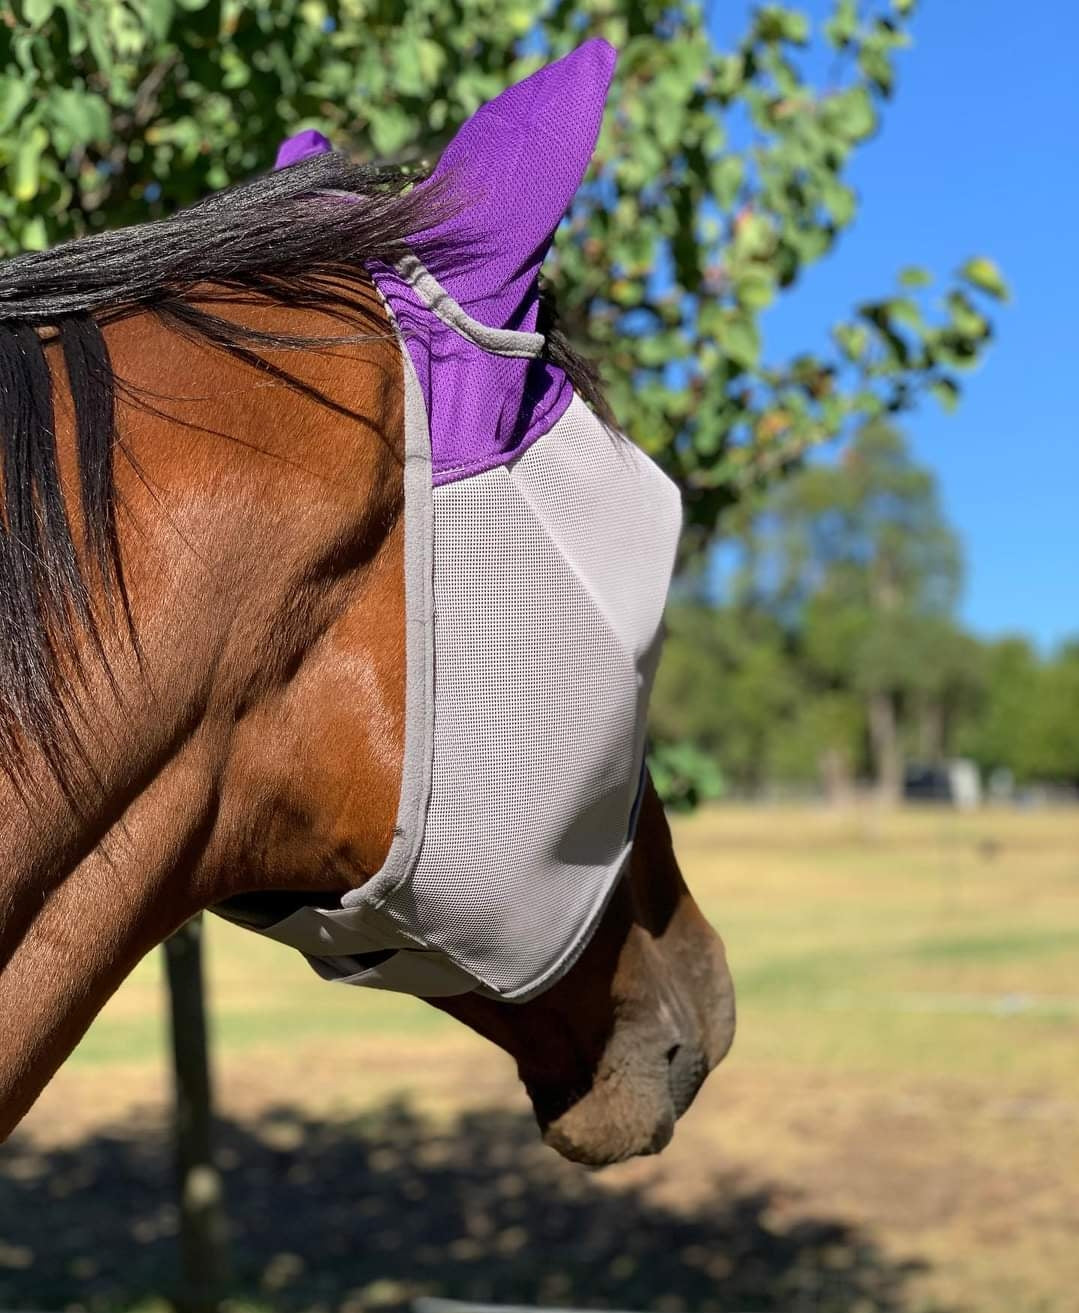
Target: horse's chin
[
  {"x": 599, "y": 1131},
  {"x": 629, "y": 1111}
]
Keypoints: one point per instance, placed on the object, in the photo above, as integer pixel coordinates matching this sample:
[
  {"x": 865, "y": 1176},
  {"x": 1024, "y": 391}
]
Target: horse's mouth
[{"x": 629, "y": 1114}]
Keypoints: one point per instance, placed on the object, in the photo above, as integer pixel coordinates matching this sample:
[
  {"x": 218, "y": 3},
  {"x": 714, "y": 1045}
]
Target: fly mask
[{"x": 539, "y": 547}]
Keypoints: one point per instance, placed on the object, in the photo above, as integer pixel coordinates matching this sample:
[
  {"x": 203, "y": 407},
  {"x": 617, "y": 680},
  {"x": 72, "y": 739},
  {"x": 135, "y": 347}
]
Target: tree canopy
[
  {"x": 720, "y": 177},
  {"x": 835, "y": 653}
]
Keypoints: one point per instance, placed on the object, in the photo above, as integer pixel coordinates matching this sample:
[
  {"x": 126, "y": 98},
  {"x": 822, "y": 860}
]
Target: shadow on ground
[{"x": 345, "y": 1217}]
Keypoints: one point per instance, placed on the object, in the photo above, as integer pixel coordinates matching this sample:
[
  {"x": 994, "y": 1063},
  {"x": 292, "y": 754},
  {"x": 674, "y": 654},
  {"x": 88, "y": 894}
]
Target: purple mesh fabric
[
  {"x": 301, "y": 146},
  {"x": 510, "y": 174},
  {"x": 515, "y": 167}
]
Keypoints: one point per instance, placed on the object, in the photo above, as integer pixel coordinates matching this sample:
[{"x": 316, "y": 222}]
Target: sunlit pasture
[{"x": 896, "y": 1128}]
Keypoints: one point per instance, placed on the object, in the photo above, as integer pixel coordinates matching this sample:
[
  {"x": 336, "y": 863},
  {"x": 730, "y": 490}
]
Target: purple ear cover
[
  {"x": 506, "y": 180},
  {"x": 301, "y": 146}
]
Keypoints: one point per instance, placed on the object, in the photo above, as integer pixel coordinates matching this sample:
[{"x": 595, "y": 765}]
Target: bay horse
[{"x": 321, "y": 563}]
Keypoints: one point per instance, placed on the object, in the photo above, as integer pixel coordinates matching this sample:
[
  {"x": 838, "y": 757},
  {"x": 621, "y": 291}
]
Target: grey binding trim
[
  {"x": 419, "y": 646},
  {"x": 332, "y": 938},
  {"x": 498, "y": 341}
]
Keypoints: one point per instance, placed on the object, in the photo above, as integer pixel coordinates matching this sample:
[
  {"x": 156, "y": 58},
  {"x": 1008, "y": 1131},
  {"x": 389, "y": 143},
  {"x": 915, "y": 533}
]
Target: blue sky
[{"x": 979, "y": 154}]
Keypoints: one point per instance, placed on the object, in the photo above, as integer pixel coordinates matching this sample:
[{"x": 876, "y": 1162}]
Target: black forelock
[{"x": 281, "y": 237}]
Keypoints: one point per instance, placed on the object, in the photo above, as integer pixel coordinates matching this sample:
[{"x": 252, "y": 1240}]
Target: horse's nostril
[{"x": 686, "y": 1070}]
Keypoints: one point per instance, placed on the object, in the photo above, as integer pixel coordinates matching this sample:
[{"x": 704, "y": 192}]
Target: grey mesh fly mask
[{"x": 539, "y": 551}]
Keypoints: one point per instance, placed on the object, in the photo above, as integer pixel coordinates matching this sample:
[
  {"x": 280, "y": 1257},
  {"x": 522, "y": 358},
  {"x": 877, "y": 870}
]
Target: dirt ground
[{"x": 899, "y": 1135}]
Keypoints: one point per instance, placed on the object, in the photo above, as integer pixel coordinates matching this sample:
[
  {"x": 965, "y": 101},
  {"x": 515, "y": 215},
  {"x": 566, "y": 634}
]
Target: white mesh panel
[{"x": 550, "y": 577}]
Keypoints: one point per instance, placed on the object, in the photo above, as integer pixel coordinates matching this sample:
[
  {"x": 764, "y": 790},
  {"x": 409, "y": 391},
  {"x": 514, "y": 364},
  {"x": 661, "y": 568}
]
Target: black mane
[{"x": 278, "y": 236}]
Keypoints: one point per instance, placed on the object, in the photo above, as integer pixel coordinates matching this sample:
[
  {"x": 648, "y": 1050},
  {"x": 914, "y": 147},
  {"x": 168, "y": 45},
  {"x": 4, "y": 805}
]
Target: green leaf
[
  {"x": 729, "y": 75},
  {"x": 946, "y": 392},
  {"x": 390, "y": 128},
  {"x": 15, "y": 95},
  {"x": 777, "y": 23},
  {"x": 965, "y": 316},
  {"x": 25, "y": 168},
  {"x": 852, "y": 339},
  {"x": 740, "y": 340},
  {"x": 432, "y": 60},
  {"x": 38, "y": 12},
  {"x": 82, "y": 116},
  {"x": 914, "y": 276},
  {"x": 520, "y": 19},
  {"x": 684, "y": 775},
  {"x": 877, "y": 67},
  {"x": 158, "y": 16},
  {"x": 753, "y": 236},
  {"x": 754, "y": 288},
  {"x": 100, "y": 41},
  {"x": 852, "y": 113},
  {"x": 842, "y": 27},
  {"x": 34, "y": 235},
  {"x": 840, "y": 202},
  {"x": 903, "y": 310},
  {"x": 867, "y": 403},
  {"x": 984, "y": 274},
  {"x": 726, "y": 177},
  {"x": 76, "y": 26}
]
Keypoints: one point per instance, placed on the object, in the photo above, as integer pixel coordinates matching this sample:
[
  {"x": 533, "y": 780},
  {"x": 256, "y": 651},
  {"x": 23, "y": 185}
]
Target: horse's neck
[
  {"x": 262, "y": 543},
  {"x": 72, "y": 928}
]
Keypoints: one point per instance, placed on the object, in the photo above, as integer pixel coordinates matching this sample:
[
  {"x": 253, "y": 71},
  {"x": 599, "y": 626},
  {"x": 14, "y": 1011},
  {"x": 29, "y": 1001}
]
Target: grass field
[{"x": 897, "y": 1127}]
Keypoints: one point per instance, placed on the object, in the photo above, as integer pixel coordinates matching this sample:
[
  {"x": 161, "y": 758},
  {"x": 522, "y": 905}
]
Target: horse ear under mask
[
  {"x": 506, "y": 181},
  {"x": 510, "y": 175}
]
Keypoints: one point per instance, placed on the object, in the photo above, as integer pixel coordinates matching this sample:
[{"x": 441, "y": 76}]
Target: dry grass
[{"x": 905, "y": 1071}]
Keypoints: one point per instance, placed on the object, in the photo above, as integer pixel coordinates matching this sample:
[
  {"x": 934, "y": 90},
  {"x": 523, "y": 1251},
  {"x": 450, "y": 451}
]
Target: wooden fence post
[{"x": 203, "y": 1244}]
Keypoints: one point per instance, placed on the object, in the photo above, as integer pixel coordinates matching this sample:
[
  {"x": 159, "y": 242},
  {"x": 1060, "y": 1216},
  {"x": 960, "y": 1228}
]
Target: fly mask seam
[{"x": 496, "y": 341}]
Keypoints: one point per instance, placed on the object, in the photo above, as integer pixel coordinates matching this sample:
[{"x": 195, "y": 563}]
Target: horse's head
[
  {"x": 396, "y": 638},
  {"x": 614, "y": 1052},
  {"x": 546, "y": 908}
]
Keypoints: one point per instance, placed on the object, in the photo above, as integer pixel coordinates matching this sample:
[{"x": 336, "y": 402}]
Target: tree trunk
[
  {"x": 836, "y": 776},
  {"x": 203, "y": 1258},
  {"x": 884, "y": 740},
  {"x": 931, "y": 731}
]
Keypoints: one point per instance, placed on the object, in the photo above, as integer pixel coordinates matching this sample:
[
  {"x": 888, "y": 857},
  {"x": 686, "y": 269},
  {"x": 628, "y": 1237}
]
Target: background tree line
[
  {"x": 836, "y": 655},
  {"x": 720, "y": 177}
]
